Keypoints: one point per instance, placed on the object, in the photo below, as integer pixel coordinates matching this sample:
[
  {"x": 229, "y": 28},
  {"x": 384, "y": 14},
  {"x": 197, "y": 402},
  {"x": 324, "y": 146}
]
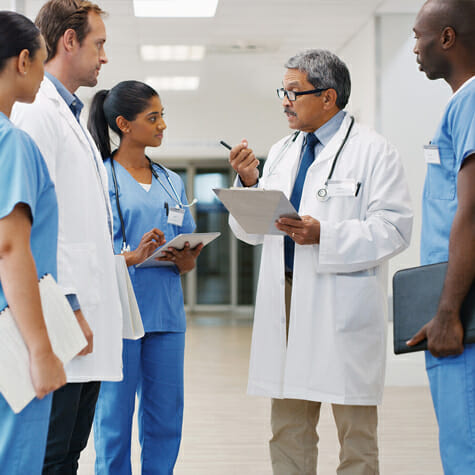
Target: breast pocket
[{"x": 442, "y": 179}]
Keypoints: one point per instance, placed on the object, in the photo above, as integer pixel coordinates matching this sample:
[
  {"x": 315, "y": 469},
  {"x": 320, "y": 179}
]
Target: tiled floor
[{"x": 226, "y": 432}]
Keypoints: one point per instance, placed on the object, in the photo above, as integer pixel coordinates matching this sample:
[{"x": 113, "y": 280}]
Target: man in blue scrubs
[{"x": 445, "y": 49}]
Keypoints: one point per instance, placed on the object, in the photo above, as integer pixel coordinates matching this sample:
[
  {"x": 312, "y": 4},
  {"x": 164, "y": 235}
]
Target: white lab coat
[
  {"x": 85, "y": 255},
  {"x": 337, "y": 334}
]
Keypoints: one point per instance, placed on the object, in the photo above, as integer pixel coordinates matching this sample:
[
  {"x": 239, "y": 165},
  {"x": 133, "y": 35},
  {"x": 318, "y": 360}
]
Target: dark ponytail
[
  {"x": 97, "y": 124},
  {"x": 126, "y": 99},
  {"x": 16, "y": 34}
]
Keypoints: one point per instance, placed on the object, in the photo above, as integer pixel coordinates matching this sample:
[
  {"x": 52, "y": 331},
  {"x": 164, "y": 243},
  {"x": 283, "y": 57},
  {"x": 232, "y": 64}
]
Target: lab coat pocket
[
  {"x": 87, "y": 273},
  {"x": 441, "y": 179},
  {"x": 359, "y": 302}
]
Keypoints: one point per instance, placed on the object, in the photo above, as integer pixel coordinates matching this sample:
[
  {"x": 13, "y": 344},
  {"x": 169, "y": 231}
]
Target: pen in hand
[{"x": 224, "y": 144}]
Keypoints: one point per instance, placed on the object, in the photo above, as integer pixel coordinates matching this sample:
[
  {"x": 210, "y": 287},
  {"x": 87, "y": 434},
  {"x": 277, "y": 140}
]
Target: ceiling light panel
[
  {"x": 172, "y": 52},
  {"x": 175, "y": 8},
  {"x": 173, "y": 83}
]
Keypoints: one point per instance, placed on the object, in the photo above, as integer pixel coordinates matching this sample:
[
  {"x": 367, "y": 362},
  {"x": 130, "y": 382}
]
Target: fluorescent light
[
  {"x": 175, "y": 8},
  {"x": 173, "y": 83},
  {"x": 172, "y": 52}
]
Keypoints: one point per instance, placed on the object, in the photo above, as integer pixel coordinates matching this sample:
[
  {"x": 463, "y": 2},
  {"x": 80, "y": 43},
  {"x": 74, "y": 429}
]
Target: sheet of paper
[
  {"x": 257, "y": 210},
  {"x": 66, "y": 336}
]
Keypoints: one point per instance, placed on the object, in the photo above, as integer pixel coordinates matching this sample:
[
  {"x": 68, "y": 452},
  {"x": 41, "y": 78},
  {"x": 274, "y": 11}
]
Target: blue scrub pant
[
  {"x": 23, "y": 437},
  {"x": 452, "y": 384},
  {"x": 153, "y": 368}
]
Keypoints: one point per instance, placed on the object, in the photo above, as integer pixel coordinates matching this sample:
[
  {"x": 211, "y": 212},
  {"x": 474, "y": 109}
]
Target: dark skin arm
[
  {"x": 149, "y": 242},
  {"x": 444, "y": 333}
]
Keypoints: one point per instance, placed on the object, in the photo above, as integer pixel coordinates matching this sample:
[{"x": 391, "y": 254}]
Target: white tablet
[{"x": 178, "y": 242}]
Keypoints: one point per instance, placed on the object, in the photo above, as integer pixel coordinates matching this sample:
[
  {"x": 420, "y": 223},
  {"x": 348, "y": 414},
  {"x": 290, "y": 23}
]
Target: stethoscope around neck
[
  {"x": 175, "y": 197},
  {"x": 322, "y": 193}
]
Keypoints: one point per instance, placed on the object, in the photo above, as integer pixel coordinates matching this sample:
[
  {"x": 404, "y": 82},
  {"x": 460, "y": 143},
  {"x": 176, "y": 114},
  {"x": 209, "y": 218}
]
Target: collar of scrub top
[
  {"x": 175, "y": 197},
  {"x": 125, "y": 246},
  {"x": 73, "y": 101}
]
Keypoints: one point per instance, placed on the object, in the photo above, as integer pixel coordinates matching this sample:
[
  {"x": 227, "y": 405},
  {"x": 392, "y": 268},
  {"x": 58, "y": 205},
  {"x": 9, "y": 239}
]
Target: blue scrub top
[
  {"x": 157, "y": 289},
  {"x": 24, "y": 178},
  {"x": 455, "y": 138}
]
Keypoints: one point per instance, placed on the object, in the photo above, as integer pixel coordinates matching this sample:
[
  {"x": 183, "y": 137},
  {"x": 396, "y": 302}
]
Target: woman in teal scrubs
[
  {"x": 28, "y": 237},
  {"x": 153, "y": 210}
]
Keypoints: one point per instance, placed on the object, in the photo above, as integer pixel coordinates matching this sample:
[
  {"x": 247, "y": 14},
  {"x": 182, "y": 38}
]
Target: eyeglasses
[{"x": 292, "y": 95}]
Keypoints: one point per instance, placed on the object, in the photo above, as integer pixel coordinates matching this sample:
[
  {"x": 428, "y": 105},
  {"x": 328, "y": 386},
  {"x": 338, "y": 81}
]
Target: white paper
[
  {"x": 65, "y": 334},
  {"x": 257, "y": 210},
  {"x": 345, "y": 187},
  {"x": 431, "y": 154},
  {"x": 132, "y": 327},
  {"x": 175, "y": 216}
]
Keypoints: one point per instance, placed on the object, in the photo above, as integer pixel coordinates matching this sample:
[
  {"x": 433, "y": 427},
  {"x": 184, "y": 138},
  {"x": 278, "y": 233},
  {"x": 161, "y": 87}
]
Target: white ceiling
[{"x": 265, "y": 33}]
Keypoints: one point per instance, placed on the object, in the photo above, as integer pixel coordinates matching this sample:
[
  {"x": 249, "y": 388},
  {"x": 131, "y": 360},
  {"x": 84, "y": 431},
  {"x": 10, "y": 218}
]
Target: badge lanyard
[{"x": 125, "y": 246}]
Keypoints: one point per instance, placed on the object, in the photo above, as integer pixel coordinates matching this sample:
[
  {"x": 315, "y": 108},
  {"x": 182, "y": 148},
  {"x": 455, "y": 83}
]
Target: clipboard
[
  {"x": 257, "y": 210},
  {"x": 178, "y": 242},
  {"x": 416, "y": 293},
  {"x": 64, "y": 332}
]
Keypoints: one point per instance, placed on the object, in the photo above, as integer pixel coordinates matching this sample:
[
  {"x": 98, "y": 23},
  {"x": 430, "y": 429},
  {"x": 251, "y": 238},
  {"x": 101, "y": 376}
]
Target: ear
[
  {"x": 329, "y": 98},
  {"x": 23, "y": 62},
  {"x": 123, "y": 124},
  {"x": 447, "y": 38},
  {"x": 69, "y": 40}
]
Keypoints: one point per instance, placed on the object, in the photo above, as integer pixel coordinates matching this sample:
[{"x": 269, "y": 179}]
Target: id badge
[
  {"x": 175, "y": 216},
  {"x": 431, "y": 154},
  {"x": 346, "y": 187}
]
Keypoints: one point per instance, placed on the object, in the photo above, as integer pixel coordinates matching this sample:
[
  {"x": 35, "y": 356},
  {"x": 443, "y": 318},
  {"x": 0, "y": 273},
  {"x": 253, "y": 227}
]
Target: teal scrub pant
[
  {"x": 452, "y": 385},
  {"x": 153, "y": 369},
  {"x": 23, "y": 437}
]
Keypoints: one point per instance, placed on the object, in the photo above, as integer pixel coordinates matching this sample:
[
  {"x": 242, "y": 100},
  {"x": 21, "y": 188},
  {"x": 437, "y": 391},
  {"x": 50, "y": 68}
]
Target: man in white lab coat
[
  {"x": 75, "y": 34},
  {"x": 320, "y": 320}
]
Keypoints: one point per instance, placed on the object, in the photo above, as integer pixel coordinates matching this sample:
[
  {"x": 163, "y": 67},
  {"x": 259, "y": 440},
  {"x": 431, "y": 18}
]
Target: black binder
[{"x": 416, "y": 294}]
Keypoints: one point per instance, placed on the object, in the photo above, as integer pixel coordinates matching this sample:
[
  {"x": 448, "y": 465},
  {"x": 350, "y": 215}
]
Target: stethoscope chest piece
[{"x": 322, "y": 194}]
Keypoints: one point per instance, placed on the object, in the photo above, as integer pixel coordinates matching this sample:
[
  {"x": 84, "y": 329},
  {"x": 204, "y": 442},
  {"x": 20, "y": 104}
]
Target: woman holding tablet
[
  {"x": 150, "y": 208},
  {"x": 28, "y": 239}
]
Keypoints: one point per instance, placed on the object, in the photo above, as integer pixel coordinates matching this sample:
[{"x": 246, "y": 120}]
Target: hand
[
  {"x": 244, "y": 162},
  {"x": 149, "y": 242},
  {"x": 86, "y": 329},
  {"x": 184, "y": 259},
  {"x": 304, "y": 231},
  {"x": 444, "y": 335},
  {"x": 47, "y": 373}
]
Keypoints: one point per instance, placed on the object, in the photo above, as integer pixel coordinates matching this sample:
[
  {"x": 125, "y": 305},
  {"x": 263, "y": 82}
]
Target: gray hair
[{"x": 324, "y": 70}]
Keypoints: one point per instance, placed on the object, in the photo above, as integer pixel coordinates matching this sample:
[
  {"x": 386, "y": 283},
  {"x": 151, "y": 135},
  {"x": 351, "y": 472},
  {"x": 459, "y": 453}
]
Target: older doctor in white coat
[
  {"x": 330, "y": 344},
  {"x": 75, "y": 34}
]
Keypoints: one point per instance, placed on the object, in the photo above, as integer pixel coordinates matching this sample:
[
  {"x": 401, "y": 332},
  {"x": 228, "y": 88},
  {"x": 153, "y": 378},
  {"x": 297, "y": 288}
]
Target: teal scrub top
[
  {"x": 158, "y": 289},
  {"x": 455, "y": 138},
  {"x": 24, "y": 178}
]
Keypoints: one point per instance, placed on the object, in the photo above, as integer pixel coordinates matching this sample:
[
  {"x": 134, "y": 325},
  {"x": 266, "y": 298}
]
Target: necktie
[{"x": 307, "y": 159}]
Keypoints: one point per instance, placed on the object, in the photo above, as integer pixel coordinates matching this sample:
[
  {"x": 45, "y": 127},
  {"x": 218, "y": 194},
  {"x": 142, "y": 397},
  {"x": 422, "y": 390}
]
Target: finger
[
  {"x": 296, "y": 223},
  {"x": 237, "y": 149},
  {"x": 418, "y": 337},
  {"x": 241, "y": 157},
  {"x": 289, "y": 230}
]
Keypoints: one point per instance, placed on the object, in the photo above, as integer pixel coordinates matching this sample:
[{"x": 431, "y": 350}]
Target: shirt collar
[
  {"x": 72, "y": 101},
  {"x": 330, "y": 128},
  {"x": 465, "y": 84}
]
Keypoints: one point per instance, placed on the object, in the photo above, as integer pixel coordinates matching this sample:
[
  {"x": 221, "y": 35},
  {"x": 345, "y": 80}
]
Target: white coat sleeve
[
  {"x": 40, "y": 122},
  {"x": 383, "y": 231}
]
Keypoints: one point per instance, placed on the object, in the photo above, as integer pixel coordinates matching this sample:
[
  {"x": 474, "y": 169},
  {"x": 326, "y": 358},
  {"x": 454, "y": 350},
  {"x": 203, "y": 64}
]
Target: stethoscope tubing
[{"x": 125, "y": 246}]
